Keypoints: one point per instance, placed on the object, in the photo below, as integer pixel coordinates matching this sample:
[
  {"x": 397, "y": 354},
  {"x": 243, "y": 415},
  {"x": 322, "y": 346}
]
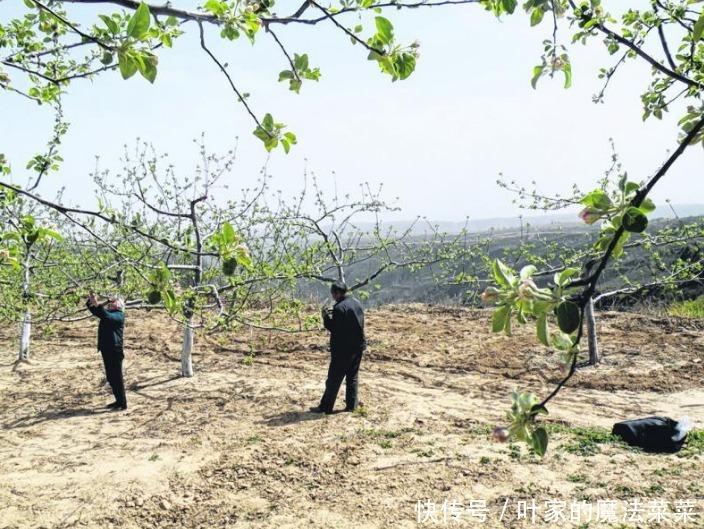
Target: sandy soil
[{"x": 235, "y": 447}]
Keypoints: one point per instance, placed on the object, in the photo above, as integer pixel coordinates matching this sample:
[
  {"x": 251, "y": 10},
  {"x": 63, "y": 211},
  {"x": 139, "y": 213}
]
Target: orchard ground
[{"x": 235, "y": 446}]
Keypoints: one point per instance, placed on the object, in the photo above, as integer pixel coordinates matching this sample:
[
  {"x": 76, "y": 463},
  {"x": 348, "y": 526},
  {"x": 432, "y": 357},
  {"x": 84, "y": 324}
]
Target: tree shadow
[
  {"x": 137, "y": 387},
  {"x": 292, "y": 417},
  {"x": 53, "y": 415}
]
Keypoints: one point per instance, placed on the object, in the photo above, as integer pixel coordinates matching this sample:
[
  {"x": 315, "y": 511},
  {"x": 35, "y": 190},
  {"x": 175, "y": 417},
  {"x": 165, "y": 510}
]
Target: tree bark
[
  {"x": 26, "y": 328},
  {"x": 25, "y": 333},
  {"x": 591, "y": 333},
  {"x": 187, "y": 349}
]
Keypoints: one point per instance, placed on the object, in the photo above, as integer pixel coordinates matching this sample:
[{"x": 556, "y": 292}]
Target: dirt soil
[{"x": 234, "y": 446}]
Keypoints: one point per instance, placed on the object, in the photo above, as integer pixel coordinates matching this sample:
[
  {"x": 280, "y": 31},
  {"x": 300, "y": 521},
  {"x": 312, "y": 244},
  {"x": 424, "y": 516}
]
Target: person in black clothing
[
  {"x": 345, "y": 321},
  {"x": 110, "y": 329}
]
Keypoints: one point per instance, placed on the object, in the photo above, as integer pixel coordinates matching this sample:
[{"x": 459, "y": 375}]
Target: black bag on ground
[{"x": 652, "y": 434}]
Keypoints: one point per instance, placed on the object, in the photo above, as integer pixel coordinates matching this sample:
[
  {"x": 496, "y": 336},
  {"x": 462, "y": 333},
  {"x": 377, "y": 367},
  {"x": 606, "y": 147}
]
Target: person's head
[
  {"x": 338, "y": 290},
  {"x": 115, "y": 302}
]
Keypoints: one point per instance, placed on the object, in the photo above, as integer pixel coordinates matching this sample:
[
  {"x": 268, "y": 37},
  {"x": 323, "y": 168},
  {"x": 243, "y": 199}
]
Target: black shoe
[
  {"x": 113, "y": 405},
  {"x": 352, "y": 408},
  {"x": 318, "y": 409},
  {"x": 119, "y": 407}
]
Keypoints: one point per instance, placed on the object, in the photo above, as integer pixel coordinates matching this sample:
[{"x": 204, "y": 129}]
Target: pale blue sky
[{"x": 437, "y": 140}]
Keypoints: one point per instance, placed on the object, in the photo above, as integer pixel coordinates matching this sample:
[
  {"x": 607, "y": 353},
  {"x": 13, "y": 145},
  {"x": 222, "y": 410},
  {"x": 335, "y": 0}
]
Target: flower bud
[
  {"x": 526, "y": 290},
  {"x": 501, "y": 434},
  {"x": 490, "y": 295},
  {"x": 589, "y": 215}
]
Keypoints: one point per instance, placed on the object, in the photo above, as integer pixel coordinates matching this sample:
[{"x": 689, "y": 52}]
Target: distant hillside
[{"x": 421, "y": 227}]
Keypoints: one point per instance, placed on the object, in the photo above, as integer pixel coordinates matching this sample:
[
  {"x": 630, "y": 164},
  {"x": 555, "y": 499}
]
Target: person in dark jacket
[
  {"x": 345, "y": 321},
  {"x": 110, "y": 330}
]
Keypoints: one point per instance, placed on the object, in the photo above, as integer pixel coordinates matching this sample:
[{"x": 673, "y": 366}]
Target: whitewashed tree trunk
[
  {"x": 26, "y": 328},
  {"x": 25, "y": 334},
  {"x": 187, "y": 349},
  {"x": 591, "y": 333}
]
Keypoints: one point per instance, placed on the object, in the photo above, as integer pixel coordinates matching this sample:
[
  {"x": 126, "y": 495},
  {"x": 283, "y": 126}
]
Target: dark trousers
[
  {"x": 113, "y": 372},
  {"x": 342, "y": 366}
]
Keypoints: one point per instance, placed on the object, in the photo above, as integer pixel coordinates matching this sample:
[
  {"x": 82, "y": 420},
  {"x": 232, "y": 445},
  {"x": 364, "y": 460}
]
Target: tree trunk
[
  {"x": 187, "y": 349},
  {"x": 26, "y": 329},
  {"x": 25, "y": 333},
  {"x": 591, "y": 333}
]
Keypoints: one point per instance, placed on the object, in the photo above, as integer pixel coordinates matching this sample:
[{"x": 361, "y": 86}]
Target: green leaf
[
  {"x": 385, "y": 30},
  {"x": 502, "y": 274},
  {"x": 567, "y": 68},
  {"x": 647, "y": 206},
  {"x": 112, "y": 26},
  {"x": 631, "y": 187},
  {"x": 290, "y": 137},
  {"x": 539, "y": 409},
  {"x": 537, "y": 73},
  {"x": 540, "y": 441},
  {"x": 286, "y": 74},
  {"x": 634, "y": 220},
  {"x": 561, "y": 341},
  {"x": 568, "y": 316},
  {"x": 170, "y": 300},
  {"x": 268, "y": 122},
  {"x": 404, "y": 65},
  {"x": 563, "y": 278},
  {"x": 597, "y": 199},
  {"x": 622, "y": 183},
  {"x": 536, "y": 16},
  {"x": 498, "y": 320},
  {"x": 53, "y": 234},
  {"x": 618, "y": 251},
  {"x": 128, "y": 66},
  {"x": 286, "y": 145},
  {"x": 261, "y": 134},
  {"x": 139, "y": 22},
  {"x": 698, "y": 28},
  {"x": 216, "y": 7},
  {"x": 542, "y": 327},
  {"x": 509, "y": 5},
  {"x": 147, "y": 67},
  {"x": 228, "y": 233}
]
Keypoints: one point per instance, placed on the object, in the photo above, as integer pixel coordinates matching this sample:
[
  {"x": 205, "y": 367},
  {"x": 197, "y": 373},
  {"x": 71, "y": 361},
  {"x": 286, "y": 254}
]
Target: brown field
[{"x": 235, "y": 447}]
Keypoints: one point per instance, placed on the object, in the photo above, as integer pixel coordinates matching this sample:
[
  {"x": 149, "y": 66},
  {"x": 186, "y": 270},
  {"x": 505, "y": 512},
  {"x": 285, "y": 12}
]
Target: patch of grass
[
  {"x": 484, "y": 460},
  {"x": 577, "y": 478},
  {"x": 255, "y": 439},
  {"x": 386, "y": 434},
  {"x": 361, "y": 411},
  {"x": 688, "y": 309},
  {"x": 624, "y": 490},
  {"x": 429, "y": 452},
  {"x": 514, "y": 451},
  {"x": 654, "y": 490},
  {"x": 694, "y": 445},
  {"x": 584, "y": 441},
  {"x": 530, "y": 489},
  {"x": 386, "y": 444},
  {"x": 154, "y": 457}
]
